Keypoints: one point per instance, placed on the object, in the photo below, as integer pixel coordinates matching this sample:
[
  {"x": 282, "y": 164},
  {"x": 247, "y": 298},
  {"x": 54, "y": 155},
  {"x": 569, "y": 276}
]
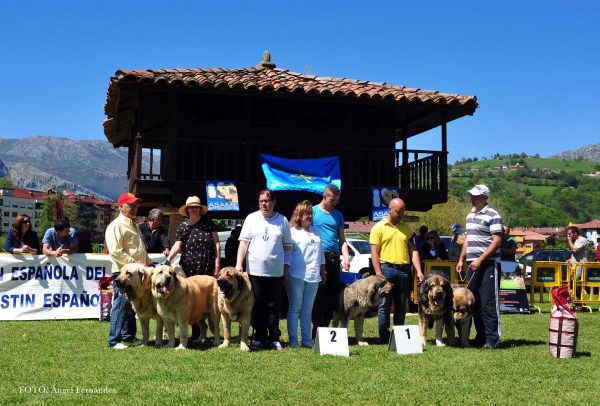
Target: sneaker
[
  {"x": 294, "y": 344},
  {"x": 488, "y": 346},
  {"x": 277, "y": 345},
  {"x": 256, "y": 346},
  {"x": 308, "y": 344},
  {"x": 119, "y": 346}
]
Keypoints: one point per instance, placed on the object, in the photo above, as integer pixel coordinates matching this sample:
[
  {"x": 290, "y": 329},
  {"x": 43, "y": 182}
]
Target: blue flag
[{"x": 309, "y": 175}]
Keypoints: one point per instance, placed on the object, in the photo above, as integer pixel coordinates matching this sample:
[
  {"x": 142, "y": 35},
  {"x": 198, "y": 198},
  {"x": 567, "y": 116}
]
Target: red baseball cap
[{"x": 129, "y": 198}]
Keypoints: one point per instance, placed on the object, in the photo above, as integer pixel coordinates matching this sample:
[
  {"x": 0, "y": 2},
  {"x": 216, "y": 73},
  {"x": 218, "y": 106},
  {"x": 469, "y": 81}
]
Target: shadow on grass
[{"x": 520, "y": 343}]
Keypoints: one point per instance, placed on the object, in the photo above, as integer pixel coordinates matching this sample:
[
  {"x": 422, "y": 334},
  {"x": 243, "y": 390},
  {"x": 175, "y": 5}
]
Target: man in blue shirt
[
  {"x": 330, "y": 223},
  {"x": 60, "y": 240}
]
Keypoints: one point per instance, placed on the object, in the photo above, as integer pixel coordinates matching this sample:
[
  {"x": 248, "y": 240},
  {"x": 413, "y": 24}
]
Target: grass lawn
[{"x": 67, "y": 356}]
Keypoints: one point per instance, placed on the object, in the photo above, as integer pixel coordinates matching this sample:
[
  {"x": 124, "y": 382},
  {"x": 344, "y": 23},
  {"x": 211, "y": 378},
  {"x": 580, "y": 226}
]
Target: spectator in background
[
  {"x": 155, "y": 236},
  {"x": 434, "y": 248},
  {"x": 508, "y": 248},
  {"x": 421, "y": 239},
  {"x": 21, "y": 238},
  {"x": 231, "y": 246},
  {"x": 579, "y": 247},
  {"x": 60, "y": 240},
  {"x": 457, "y": 241}
]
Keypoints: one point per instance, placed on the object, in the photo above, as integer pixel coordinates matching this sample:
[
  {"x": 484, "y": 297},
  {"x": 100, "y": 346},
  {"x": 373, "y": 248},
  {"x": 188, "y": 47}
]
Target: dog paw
[
  {"x": 224, "y": 345},
  {"x": 216, "y": 343},
  {"x": 244, "y": 347},
  {"x": 439, "y": 343},
  {"x": 181, "y": 347},
  {"x": 363, "y": 343}
]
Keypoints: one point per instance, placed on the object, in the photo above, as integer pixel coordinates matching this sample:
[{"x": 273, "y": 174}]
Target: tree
[
  {"x": 46, "y": 219},
  {"x": 442, "y": 216},
  {"x": 6, "y": 183}
]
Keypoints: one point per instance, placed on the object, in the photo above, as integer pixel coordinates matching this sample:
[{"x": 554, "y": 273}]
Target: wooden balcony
[{"x": 421, "y": 175}]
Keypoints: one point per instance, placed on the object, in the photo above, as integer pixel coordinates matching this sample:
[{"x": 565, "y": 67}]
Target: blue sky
[{"x": 533, "y": 65}]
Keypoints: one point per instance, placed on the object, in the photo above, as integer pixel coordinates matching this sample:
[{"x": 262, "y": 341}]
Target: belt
[
  {"x": 396, "y": 266},
  {"x": 332, "y": 254}
]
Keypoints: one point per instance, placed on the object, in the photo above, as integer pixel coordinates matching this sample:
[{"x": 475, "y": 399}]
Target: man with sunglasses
[{"x": 125, "y": 245}]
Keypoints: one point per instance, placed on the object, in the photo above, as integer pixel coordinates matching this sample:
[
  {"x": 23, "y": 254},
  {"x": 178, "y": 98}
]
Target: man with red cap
[{"x": 125, "y": 245}]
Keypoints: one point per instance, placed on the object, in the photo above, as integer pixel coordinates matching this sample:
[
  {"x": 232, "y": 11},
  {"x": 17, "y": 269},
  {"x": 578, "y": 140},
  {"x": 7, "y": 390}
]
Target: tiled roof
[
  {"x": 28, "y": 194},
  {"x": 276, "y": 80},
  {"x": 589, "y": 224},
  {"x": 528, "y": 235}
]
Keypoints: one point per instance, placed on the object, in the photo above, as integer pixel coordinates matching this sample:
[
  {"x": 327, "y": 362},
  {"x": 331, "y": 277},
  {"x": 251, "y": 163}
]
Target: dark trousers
[
  {"x": 122, "y": 318},
  {"x": 322, "y": 312},
  {"x": 267, "y": 302},
  {"x": 486, "y": 318},
  {"x": 400, "y": 277}
]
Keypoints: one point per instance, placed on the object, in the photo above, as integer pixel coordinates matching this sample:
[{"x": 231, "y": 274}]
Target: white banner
[{"x": 36, "y": 287}]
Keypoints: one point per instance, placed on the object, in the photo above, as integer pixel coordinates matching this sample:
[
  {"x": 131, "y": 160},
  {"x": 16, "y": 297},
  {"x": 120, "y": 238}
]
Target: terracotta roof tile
[{"x": 279, "y": 80}]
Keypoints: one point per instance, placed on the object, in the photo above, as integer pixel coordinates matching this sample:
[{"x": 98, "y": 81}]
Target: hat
[
  {"x": 456, "y": 228},
  {"x": 479, "y": 190},
  {"x": 192, "y": 201},
  {"x": 128, "y": 198}
]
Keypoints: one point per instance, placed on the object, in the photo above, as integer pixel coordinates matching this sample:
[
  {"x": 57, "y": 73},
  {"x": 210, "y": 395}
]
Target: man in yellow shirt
[
  {"x": 124, "y": 243},
  {"x": 391, "y": 253}
]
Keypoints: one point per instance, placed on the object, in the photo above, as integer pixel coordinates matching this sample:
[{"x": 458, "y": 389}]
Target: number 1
[{"x": 408, "y": 333}]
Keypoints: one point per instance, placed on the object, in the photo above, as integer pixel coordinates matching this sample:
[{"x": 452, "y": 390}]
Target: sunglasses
[{"x": 25, "y": 222}]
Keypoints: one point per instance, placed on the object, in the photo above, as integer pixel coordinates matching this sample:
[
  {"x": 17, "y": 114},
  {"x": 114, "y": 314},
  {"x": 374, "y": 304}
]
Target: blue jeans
[
  {"x": 301, "y": 295},
  {"x": 122, "y": 318},
  {"x": 401, "y": 280}
]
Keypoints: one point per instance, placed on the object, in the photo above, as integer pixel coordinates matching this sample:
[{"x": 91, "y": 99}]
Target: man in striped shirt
[{"x": 484, "y": 237}]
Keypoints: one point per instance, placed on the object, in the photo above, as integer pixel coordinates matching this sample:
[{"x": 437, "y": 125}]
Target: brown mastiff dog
[
  {"x": 236, "y": 301},
  {"x": 435, "y": 306},
  {"x": 355, "y": 300}
]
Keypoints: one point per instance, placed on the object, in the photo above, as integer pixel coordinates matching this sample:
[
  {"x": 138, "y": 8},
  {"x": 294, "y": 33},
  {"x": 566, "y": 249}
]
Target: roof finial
[{"x": 266, "y": 62}]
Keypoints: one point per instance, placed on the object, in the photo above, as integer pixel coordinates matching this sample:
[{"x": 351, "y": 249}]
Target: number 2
[{"x": 333, "y": 335}]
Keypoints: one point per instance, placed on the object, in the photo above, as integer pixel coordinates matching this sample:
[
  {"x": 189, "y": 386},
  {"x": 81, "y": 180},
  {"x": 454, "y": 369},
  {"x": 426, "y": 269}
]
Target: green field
[
  {"x": 536, "y": 190},
  {"x": 59, "y": 358}
]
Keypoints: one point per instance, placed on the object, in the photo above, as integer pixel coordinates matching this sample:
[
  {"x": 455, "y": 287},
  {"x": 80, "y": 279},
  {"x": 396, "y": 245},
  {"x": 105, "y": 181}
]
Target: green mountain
[{"x": 540, "y": 192}]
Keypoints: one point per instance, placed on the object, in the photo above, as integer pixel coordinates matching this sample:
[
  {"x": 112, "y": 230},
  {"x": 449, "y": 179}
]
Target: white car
[{"x": 360, "y": 256}]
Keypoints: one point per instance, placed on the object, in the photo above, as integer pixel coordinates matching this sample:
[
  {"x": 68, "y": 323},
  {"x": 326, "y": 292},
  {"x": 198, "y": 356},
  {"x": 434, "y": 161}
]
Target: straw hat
[{"x": 192, "y": 201}]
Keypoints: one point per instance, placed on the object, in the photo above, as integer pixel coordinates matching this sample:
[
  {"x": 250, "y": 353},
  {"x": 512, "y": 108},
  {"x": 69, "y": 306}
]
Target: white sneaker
[{"x": 119, "y": 346}]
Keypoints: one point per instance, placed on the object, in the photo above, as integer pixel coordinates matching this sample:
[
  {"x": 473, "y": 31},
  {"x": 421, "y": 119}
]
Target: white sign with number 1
[
  {"x": 405, "y": 340},
  {"x": 332, "y": 341}
]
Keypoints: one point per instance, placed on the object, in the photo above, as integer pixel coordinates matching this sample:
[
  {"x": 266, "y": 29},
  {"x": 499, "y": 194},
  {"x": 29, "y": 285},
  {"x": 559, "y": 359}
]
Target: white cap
[{"x": 479, "y": 190}]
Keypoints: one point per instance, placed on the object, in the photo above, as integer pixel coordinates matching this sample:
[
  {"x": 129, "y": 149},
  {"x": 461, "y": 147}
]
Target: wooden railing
[{"x": 200, "y": 160}]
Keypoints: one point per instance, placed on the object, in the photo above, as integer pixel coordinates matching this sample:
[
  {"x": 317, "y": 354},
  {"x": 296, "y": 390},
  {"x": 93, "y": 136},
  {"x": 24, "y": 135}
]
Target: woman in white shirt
[
  {"x": 304, "y": 271},
  {"x": 264, "y": 238}
]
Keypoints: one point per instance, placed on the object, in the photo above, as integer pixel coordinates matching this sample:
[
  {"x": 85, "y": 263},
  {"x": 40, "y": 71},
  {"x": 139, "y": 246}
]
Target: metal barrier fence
[
  {"x": 446, "y": 267},
  {"x": 546, "y": 274},
  {"x": 587, "y": 284}
]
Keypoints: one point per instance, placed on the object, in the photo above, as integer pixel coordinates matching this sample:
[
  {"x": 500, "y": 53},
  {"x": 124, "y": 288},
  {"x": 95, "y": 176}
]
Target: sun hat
[
  {"x": 128, "y": 198},
  {"x": 456, "y": 228},
  {"x": 192, "y": 201},
  {"x": 479, "y": 190}
]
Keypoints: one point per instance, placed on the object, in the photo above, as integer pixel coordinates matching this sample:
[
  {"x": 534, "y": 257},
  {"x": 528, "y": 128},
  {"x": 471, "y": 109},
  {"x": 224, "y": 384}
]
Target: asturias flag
[{"x": 310, "y": 175}]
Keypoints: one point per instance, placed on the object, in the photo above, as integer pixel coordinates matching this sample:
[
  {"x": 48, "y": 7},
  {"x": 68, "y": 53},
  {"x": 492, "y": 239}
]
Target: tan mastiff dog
[
  {"x": 185, "y": 301},
  {"x": 134, "y": 282}
]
